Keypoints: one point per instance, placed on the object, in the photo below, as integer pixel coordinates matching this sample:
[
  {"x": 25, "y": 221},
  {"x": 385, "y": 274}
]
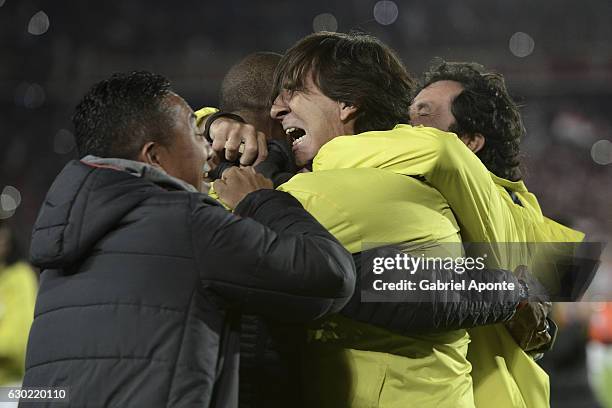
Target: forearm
[{"x": 280, "y": 262}]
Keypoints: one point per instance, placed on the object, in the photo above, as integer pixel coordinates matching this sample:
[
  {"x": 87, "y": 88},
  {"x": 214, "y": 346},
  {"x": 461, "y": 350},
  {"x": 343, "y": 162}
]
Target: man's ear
[
  {"x": 150, "y": 154},
  {"x": 347, "y": 111},
  {"x": 475, "y": 142}
]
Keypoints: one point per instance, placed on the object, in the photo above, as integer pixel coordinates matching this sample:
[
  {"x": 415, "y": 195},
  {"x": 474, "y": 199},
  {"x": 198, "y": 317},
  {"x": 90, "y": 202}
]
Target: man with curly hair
[
  {"x": 463, "y": 98},
  {"x": 491, "y": 202}
]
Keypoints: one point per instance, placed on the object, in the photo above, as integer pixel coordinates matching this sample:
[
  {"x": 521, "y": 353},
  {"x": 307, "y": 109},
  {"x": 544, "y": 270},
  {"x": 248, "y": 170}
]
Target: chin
[
  {"x": 300, "y": 162},
  {"x": 304, "y": 156}
]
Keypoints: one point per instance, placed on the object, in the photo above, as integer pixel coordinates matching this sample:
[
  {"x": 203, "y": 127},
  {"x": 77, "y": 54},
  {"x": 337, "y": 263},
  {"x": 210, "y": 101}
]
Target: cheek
[
  {"x": 434, "y": 121},
  {"x": 199, "y": 150},
  {"x": 329, "y": 126},
  {"x": 416, "y": 120}
]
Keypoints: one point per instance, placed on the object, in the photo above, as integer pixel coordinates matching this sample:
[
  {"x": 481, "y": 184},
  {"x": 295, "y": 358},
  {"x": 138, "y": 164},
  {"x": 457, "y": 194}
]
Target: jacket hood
[{"x": 84, "y": 203}]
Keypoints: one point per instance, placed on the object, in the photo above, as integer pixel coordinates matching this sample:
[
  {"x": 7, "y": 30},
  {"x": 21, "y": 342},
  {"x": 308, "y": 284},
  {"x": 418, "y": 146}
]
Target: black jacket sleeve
[
  {"x": 280, "y": 165},
  {"x": 406, "y": 312},
  {"x": 272, "y": 258}
]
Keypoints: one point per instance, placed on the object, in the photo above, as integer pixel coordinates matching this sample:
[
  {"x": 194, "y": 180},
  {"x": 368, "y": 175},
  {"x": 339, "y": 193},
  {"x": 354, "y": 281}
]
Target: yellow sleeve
[
  {"x": 18, "y": 289},
  {"x": 442, "y": 160},
  {"x": 326, "y": 211},
  {"x": 203, "y": 113}
]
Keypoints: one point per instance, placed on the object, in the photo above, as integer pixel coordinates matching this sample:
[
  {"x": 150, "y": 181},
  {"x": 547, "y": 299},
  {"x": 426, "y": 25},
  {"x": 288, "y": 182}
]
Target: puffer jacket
[{"x": 142, "y": 288}]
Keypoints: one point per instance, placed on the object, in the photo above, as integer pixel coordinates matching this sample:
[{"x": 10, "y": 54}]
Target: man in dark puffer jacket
[{"x": 143, "y": 278}]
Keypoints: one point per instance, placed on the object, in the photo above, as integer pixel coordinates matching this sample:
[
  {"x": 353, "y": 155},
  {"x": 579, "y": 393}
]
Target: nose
[
  {"x": 412, "y": 113},
  {"x": 280, "y": 106},
  {"x": 419, "y": 115}
]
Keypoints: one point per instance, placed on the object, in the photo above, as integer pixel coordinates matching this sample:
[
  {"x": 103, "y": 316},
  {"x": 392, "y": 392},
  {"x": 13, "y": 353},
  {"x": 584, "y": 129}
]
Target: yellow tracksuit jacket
[
  {"x": 352, "y": 364},
  {"x": 504, "y": 376}
]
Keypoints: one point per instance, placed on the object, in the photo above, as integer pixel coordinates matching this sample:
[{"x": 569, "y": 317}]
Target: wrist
[{"x": 523, "y": 289}]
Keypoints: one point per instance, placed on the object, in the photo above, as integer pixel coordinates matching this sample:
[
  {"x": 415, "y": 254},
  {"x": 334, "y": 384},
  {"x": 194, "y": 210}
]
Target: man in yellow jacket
[
  {"x": 356, "y": 364},
  {"x": 489, "y": 208}
]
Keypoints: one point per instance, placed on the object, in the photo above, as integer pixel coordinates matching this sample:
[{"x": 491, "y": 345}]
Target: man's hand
[
  {"x": 237, "y": 182},
  {"x": 529, "y": 326},
  {"x": 229, "y": 135}
]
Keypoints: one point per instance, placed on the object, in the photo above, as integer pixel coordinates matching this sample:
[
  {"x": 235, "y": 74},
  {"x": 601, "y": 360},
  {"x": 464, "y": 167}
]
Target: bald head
[{"x": 246, "y": 89}]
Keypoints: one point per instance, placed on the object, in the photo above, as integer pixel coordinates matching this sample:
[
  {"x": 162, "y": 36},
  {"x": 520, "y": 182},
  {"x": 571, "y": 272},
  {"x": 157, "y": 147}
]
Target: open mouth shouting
[
  {"x": 296, "y": 135},
  {"x": 301, "y": 145}
]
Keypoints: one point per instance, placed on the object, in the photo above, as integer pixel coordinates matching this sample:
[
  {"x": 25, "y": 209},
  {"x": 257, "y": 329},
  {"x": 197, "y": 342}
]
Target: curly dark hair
[
  {"x": 119, "y": 115},
  {"x": 484, "y": 106},
  {"x": 355, "y": 68}
]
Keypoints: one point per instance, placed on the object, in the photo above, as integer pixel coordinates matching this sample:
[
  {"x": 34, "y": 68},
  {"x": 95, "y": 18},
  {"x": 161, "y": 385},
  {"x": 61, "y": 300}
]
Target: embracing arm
[
  {"x": 409, "y": 311},
  {"x": 438, "y": 157},
  {"x": 272, "y": 258},
  {"x": 422, "y": 309}
]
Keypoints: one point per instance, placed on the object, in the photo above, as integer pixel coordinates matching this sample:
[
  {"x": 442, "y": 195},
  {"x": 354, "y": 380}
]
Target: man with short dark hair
[
  {"x": 143, "y": 278},
  {"x": 245, "y": 91},
  {"x": 269, "y": 350}
]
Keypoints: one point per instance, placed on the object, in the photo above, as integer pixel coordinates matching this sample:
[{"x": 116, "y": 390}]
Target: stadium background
[{"x": 555, "y": 55}]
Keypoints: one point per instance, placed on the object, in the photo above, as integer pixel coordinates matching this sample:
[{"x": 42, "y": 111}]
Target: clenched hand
[{"x": 237, "y": 182}]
